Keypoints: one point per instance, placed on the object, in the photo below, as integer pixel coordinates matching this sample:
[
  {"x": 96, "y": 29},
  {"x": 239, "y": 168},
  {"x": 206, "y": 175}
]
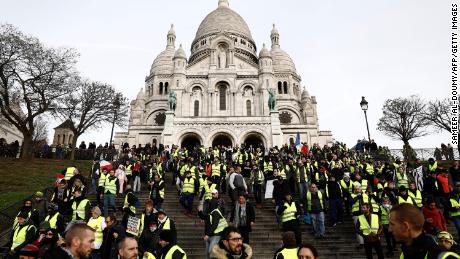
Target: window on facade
[
  {"x": 285, "y": 87},
  {"x": 222, "y": 98},
  {"x": 166, "y": 87},
  {"x": 59, "y": 139},
  {"x": 196, "y": 108},
  {"x": 248, "y": 108},
  {"x": 160, "y": 91},
  {"x": 63, "y": 139},
  {"x": 280, "y": 88}
]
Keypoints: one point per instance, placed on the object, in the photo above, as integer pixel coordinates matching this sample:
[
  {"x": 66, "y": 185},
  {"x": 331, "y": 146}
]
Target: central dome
[{"x": 223, "y": 19}]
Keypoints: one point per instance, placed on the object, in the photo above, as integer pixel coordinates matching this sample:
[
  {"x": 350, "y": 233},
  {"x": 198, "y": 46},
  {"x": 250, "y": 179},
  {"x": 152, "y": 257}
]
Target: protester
[
  {"x": 307, "y": 251},
  {"x": 243, "y": 216},
  {"x": 127, "y": 248},
  {"x": 79, "y": 239},
  {"x": 231, "y": 246},
  {"x": 369, "y": 227},
  {"x": 289, "y": 248}
]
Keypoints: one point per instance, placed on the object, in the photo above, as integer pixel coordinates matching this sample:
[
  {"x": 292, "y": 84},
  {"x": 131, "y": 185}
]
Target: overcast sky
[{"x": 342, "y": 49}]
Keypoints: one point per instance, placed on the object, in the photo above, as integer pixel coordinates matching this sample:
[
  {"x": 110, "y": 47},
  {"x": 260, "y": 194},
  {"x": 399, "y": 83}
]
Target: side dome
[
  {"x": 163, "y": 63},
  {"x": 282, "y": 61},
  {"x": 223, "y": 19},
  {"x": 180, "y": 53},
  {"x": 264, "y": 53}
]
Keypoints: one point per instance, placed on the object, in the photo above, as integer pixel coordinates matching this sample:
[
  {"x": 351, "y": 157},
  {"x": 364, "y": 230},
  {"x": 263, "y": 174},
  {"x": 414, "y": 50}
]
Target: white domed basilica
[{"x": 221, "y": 93}]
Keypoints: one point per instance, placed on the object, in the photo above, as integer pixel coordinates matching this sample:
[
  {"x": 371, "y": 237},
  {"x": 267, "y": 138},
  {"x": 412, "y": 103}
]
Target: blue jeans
[
  {"x": 109, "y": 200},
  {"x": 318, "y": 223},
  {"x": 303, "y": 189},
  {"x": 210, "y": 243}
]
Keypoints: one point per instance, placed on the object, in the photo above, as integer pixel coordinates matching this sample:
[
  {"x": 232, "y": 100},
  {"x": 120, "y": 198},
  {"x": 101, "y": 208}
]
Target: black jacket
[
  {"x": 250, "y": 215},
  {"x": 421, "y": 246},
  {"x": 164, "y": 251}
]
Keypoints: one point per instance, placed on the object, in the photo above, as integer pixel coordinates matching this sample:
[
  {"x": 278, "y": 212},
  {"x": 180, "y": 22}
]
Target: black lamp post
[
  {"x": 364, "y": 106},
  {"x": 116, "y": 106}
]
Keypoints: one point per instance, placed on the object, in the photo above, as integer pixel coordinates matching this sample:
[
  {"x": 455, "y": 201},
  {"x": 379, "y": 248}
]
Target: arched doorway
[
  {"x": 256, "y": 140},
  {"x": 223, "y": 140},
  {"x": 190, "y": 141}
]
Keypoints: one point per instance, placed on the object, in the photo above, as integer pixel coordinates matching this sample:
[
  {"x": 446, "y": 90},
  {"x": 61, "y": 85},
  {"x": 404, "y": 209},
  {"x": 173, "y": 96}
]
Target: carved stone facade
[{"x": 222, "y": 90}]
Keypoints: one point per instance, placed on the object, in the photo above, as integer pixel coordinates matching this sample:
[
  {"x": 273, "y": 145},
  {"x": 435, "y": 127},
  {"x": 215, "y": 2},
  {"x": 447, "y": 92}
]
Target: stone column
[
  {"x": 168, "y": 131},
  {"x": 277, "y": 134}
]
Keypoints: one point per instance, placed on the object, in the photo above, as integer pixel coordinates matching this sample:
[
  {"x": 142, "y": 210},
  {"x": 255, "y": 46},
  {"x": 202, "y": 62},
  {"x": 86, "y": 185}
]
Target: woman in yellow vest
[
  {"x": 23, "y": 233},
  {"x": 97, "y": 222},
  {"x": 289, "y": 248}
]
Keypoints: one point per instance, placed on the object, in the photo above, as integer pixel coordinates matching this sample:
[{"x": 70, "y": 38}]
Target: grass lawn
[{"x": 21, "y": 178}]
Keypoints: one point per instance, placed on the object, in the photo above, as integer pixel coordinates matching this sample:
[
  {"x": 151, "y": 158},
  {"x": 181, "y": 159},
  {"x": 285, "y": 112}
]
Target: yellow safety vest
[
  {"x": 69, "y": 173},
  {"x": 345, "y": 186},
  {"x": 53, "y": 220},
  {"x": 320, "y": 196},
  {"x": 79, "y": 210},
  {"x": 363, "y": 184},
  {"x": 167, "y": 224},
  {"x": 208, "y": 190},
  {"x": 20, "y": 234},
  {"x": 128, "y": 170},
  {"x": 189, "y": 186},
  {"x": 215, "y": 170},
  {"x": 268, "y": 166},
  {"x": 283, "y": 174},
  {"x": 110, "y": 185},
  {"x": 402, "y": 180},
  {"x": 455, "y": 204},
  {"x": 222, "y": 222},
  {"x": 365, "y": 227},
  {"x": 126, "y": 205},
  {"x": 288, "y": 253},
  {"x": 356, "y": 206},
  {"x": 317, "y": 176},
  {"x": 96, "y": 224},
  {"x": 102, "y": 180},
  {"x": 174, "y": 249},
  {"x": 289, "y": 212},
  {"x": 369, "y": 169},
  {"x": 385, "y": 217},
  {"x": 162, "y": 191},
  {"x": 408, "y": 200},
  {"x": 417, "y": 197},
  {"x": 432, "y": 168},
  {"x": 148, "y": 255}
]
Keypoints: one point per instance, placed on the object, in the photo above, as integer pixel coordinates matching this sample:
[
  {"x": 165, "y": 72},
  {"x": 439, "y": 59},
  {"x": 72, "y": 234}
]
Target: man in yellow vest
[
  {"x": 316, "y": 205},
  {"x": 55, "y": 219},
  {"x": 369, "y": 227},
  {"x": 110, "y": 192},
  {"x": 289, "y": 212},
  {"x": 215, "y": 223},
  {"x": 129, "y": 205},
  {"x": 432, "y": 165},
  {"x": 404, "y": 197},
  {"x": 415, "y": 194},
  {"x": 289, "y": 248},
  {"x": 157, "y": 192},
  {"x": 80, "y": 207},
  {"x": 23, "y": 234},
  {"x": 347, "y": 189},
  {"x": 166, "y": 223},
  {"x": 100, "y": 186},
  {"x": 189, "y": 189},
  {"x": 169, "y": 248}
]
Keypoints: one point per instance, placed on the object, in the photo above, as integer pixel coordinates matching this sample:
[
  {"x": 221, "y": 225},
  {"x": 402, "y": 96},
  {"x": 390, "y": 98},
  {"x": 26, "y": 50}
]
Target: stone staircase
[{"x": 340, "y": 241}]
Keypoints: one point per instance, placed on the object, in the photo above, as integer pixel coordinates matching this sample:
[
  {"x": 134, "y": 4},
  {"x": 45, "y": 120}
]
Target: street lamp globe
[{"x": 363, "y": 104}]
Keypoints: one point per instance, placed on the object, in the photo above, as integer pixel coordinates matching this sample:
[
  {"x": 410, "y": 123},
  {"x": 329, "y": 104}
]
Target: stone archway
[
  {"x": 190, "y": 141},
  {"x": 222, "y": 139},
  {"x": 254, "y": 139}
]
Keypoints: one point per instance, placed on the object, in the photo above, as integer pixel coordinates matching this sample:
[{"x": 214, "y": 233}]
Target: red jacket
[{"x": 437, "y": 220}]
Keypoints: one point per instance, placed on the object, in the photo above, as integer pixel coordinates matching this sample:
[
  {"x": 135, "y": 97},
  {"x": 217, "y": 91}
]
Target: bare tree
[
  {"x": 40, "y": 129},
  {"x": 403, "y": 119},
  {"x": 32, "y": 79},
  {"x": 90, "y": 106},
  {"x": 438, "y": 113}
]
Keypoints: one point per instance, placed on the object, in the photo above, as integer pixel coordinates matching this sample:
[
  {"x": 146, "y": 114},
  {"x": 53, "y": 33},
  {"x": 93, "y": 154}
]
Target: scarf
[{"x": 240, "y": 215}]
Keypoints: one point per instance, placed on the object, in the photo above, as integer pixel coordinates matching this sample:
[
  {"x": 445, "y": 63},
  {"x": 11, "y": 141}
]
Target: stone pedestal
[
  {"x": 168, "y": 131},
  {"x": 277, "y": 134}
]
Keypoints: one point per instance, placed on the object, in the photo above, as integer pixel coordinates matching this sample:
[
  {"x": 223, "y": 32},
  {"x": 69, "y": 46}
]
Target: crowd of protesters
[{"x": 304, "y": 183}]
